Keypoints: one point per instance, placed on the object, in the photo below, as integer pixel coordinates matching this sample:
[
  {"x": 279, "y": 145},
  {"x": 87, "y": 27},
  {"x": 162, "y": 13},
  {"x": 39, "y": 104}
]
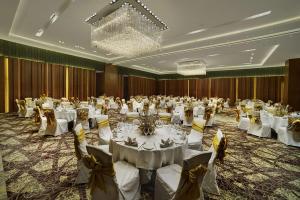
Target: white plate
[{"x": 148, "y": 146}]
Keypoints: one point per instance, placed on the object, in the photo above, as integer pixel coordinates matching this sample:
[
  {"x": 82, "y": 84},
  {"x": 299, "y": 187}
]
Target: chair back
[
  {"x": 193, "y": 172},
  {"x": 80, "y": 141},
  {"x": 103, "y": 183},
  {"x": 219, "y": 145},
  {"x": 199, "y": 125},
  {"x": 82, "y": 114},
  {"x": 51, "y": 121}
]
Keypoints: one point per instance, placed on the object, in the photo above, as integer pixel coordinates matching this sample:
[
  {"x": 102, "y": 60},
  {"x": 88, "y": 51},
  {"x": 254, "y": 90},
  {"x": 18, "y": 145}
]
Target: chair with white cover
[
  {"x": 83, "y": 118},
  {"x": 130, "y": 116},
  {"x": 55, "y": 126},
  {"x": 260, "y": 126},
  {"x": 176, "y": 182},
  {"x": 165, "y": 117},
  {"x": 41, "y": 119},
  {"x": 110, "y": 180},
  {"x": 80, "y": 150},
  {"x": 104, "y": 130},
  {"x": 209, "y": 116},
  {"x": 218, "y": 147},
  {"x": 23, "y": 109},
  {"x": 196, "y": 135},
  {"x": 290, "y": 135}
]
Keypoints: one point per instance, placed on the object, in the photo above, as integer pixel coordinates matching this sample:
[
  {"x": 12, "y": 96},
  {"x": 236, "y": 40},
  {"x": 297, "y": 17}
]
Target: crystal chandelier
[
  {"x": 192, "y": 67},
  {"x": 126, "y": 28}
]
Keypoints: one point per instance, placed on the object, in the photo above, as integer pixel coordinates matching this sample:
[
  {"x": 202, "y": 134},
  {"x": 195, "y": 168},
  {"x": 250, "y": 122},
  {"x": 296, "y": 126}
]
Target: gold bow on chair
[
  {"x": 103, "y": 123},
  {"x": 37, "y": 117},
  {"x": 83, "y": 114},
  {"x": 51, "y": 121},
  {"x": 238, "y": 117},
  {"x": 220, "y": 147},
  {"x": 190, "y": 187},
  {"x": 198, "y": 127},
  {"x": 98, "y": 172}
]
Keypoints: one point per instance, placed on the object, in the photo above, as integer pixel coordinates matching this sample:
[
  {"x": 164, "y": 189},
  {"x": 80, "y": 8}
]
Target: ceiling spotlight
[
  {"x": 95, "y": 51},
  {"x": 196, "y": 31},
  {"x": 61, "y": 42},
  {"x": 53, "y": 17},
  {"x": 258, "y": 15},
  {"x": 39, "y": 33}
]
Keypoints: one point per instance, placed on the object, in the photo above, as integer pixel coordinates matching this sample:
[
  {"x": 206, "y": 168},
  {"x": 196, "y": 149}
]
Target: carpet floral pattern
[{"x": 39, "y": 167}]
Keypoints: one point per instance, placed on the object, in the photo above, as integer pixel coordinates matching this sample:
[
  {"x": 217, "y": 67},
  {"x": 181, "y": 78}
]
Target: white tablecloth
[
  {"x": 68, "y": 114},
  {"x": 146, "y": 158}
]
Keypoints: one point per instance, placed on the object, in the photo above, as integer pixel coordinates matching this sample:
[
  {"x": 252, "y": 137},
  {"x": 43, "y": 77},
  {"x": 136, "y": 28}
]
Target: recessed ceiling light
[
  {"x": 196, "y": 31},
  {"x": 95, "y": 51},
  {"x": 53, "y": 17},
  {"x": 251, "y": 57},
  {"x": 61, "y": 42},
  {"x": 248, "y": 50},
  {"x": 216, "y": 54},
  {"x": 39, "y": 33},
  {"x": 259, "y": 15}
]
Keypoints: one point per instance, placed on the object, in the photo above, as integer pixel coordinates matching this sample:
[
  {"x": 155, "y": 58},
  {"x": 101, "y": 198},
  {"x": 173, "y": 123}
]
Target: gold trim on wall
[
  {"x": 236, "y": 88},
  {"x": 254, "y": 87},
  {"x": 188, "y": 88},
  {"x": 67, "y": 82},
  {"x": 209, "y": 88},
  {"x": 6, "y": 85}
]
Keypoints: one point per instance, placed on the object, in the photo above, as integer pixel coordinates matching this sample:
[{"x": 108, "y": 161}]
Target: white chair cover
[
  {"x": 210, "y": 179},
  {"x": 83, "y": 174},
  {"x": 126, "y": 183},
  {"x": 288, "y": 137},
  {"x": 61, "y": 127},
  {"x": 104, "y": 130},
  {"x": 169, "y": 179},
  {"x": 196, "y": 134}
]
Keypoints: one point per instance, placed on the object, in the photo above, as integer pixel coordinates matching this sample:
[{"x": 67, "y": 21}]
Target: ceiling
[{"x": 228, "y": 41}]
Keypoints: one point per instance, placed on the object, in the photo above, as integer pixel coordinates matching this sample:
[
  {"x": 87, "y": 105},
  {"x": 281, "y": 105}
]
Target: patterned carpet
[{"x": 39, "y": 167}]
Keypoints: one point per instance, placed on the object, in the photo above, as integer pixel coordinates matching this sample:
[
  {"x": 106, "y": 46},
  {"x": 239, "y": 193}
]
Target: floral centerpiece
[{"x": 148, "y": 123}]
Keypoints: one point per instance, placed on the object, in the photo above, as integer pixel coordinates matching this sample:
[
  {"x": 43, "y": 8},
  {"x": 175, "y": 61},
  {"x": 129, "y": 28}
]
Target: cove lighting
[
  {"x": 212, "y": 55},
  {"x": 196, "y": 31},
  {"x": 258, "y": 15}
]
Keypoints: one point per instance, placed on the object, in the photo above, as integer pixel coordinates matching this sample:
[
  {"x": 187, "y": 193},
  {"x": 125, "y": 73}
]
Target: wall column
[
  {"x": 236, "y": 88},
  {"x": 254, "y": 88},
  {"x": 291, "y": 83}
]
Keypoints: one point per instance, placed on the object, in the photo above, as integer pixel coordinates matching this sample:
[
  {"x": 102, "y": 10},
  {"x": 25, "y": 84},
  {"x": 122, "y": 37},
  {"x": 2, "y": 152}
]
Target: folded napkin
[
  {"x": 131, "y": 142},
  {"x": 166, "y": 143}
]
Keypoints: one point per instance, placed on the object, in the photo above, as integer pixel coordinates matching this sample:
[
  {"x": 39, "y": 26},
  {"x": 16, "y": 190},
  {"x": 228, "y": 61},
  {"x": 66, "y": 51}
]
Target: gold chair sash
[
  {"x": 220, "y": 147},
  {"x": 131, "y": 118},
  {"x": 81, "y": 136},
  {"x": 190, "y": 187},
  {"x": 165, "y": 118},
  {"x": 98, "y": 172},
  {"x": 198, "y": 127},
  {"x": 37, "y": 117},
  {"x": 103, "y": 123}
]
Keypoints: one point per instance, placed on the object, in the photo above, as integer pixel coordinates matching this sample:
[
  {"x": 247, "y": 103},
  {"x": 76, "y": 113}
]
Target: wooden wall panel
[
  {"x": 56, "y": 81},
  {"x": 141, "y": 86},
  {"x": 2, "y": 100},
  {"x": 192, "y": 88},
  {"x": 176, "y": 87},
  {"x": 100, "y": 83},
  {"x": 291, "y": 87},
  {"x": 26, "y": 76},
  {"x": 111, "y": 80},
  {"x": 161, "y": 87},
  {"x": 202, "y": 88},
  {"x": 14, "y": 83},
  {"x": 245, "y": 88},
  {"x": 223, "y": 88},
  {"x": 269, "y": 88}
]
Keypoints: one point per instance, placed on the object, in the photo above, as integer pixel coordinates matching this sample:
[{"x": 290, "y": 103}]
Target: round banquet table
[
  {"x": 68, "y": 114},
  {"x": 148, "y": 154}
]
